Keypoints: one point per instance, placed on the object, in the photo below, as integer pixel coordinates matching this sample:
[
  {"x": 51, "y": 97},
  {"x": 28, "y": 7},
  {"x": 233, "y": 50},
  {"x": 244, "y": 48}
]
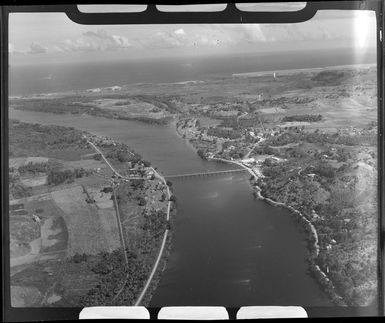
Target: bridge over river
[{"x": 230, "y": 171}]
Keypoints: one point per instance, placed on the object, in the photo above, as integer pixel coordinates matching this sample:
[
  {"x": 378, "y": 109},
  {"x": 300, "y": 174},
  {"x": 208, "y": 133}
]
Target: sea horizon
[{"x": 49, "y": 78}]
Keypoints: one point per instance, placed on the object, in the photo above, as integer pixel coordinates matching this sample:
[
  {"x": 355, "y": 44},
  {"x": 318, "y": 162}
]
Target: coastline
[
  {"x": 166, "y": 244},
  {"x": 121, "y": 88},
  {"x": 320, "y": 276},
  {"x": 164, "y": 251},
  {"x": 312, "y": 235},
  {"x": 303, "y": 70}
]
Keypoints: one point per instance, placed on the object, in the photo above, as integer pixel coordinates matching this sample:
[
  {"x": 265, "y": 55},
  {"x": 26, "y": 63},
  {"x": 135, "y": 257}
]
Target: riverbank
[
  {"x": 312, "y": 235},
  {"x": 154, "y": 276},
  {"x": 321, "y": 277},
  {"x": 195, "y": 231},
  {"x": 165, "y": 239},
  {"x": 303, "y": 70},
  {"x": 119, "y": 106},
  {"x": 104, "y": 204}
]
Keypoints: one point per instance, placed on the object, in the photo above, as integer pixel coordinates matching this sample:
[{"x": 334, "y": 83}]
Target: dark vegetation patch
[
  {"x": 27, "y": 139},
  {"x": 347, "y": 233},
  {"x": 78, "y": 105},
  {"x": 303, "y": 118},
  {"x": 330, "y": 77},
  {"x": 56, "y": 177},
  {"x": 223, "y": 132}
]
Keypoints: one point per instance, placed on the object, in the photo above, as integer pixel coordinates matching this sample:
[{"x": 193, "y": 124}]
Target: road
[
  {"x": 254, "y": 146},
  {"x": 107, "y": 162},
  {"x": 115, "y": 201},
  {"x": 155, "y": 267},
  {"x": 161, "y": 250},
  {"x": 239, "y": 164},
  {"x": 120, "y": 227},
  {"x": 206, "y": 173}
]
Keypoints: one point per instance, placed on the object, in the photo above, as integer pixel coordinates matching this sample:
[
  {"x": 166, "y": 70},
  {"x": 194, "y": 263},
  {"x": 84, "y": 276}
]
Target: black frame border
[{"x": 151, "y": 15}]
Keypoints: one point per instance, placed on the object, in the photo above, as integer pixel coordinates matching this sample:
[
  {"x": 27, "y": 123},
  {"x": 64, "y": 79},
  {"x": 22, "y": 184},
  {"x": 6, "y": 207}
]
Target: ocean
[{"x": 50, "y": 78}]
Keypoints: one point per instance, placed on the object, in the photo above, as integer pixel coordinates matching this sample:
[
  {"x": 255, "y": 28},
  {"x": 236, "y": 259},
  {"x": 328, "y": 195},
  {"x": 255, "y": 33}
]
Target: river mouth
[{"x": 228, "y": 248}]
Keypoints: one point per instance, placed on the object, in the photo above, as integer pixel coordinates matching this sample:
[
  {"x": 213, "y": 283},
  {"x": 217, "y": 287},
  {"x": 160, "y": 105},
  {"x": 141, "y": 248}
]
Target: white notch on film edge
[
  {"x": 262, "y": 312},
  {"x": 193, "y": 313},
  {"x": 114, "y": 312}
]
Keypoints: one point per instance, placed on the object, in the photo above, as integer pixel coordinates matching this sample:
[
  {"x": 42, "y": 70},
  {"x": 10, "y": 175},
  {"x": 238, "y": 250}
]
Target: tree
[
  {"x": 77, "y": 258},
  {"x": 268, "y": 162},
  {"x": 146, "y": 163},
  {"x": 142, "y": 201},
  {"x": 201, "y": 153},
  {"x": 97, "y": 156}
]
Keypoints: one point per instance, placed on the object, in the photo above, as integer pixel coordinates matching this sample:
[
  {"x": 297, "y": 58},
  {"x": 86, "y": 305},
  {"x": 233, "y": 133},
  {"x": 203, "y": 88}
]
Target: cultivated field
[{"x": 85, "y": 230}]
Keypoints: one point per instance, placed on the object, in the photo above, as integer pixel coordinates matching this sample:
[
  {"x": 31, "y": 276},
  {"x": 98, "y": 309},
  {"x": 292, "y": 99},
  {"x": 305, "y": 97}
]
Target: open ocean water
[{"x": 48, "y": 78}]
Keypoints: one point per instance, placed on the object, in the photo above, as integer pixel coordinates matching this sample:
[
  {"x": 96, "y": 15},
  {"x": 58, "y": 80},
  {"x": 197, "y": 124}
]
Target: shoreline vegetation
[
  {"x": 321, "y": 277},
  {"x": 280, "y": 142},
  {"x": 303, "y": 70},
  {"x": 313, "y": 136},
  {"x": 104, "y": 114},
  {"x": 157, "y": 110},
  {"x": 313, "y": 244},
  {"x": 117, "y": 88},
  {"x": 107, "y": 274},
  {"x": 162, "y": 256},
  {"x": 166, "y": 244},
  {"x": 312, "y": 238},
  {"x": 293, "y": 129}
]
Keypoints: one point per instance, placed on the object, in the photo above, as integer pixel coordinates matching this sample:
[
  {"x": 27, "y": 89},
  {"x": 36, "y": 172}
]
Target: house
[
  {"x": 248, "y": 160},
  {"x": 107, "y": 189},
  {"x": 36, "y": 218}
]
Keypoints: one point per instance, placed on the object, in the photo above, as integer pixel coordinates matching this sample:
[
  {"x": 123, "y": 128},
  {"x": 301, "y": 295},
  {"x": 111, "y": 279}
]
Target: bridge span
[{"x": 206, "y": 173}]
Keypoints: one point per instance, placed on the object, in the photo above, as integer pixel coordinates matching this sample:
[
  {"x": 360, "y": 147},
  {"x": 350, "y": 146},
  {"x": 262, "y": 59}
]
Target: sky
[{"x": 53, "y": 37}]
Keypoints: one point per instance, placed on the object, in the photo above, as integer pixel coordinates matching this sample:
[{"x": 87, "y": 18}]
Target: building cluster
[{"x": 102, "y": 141}]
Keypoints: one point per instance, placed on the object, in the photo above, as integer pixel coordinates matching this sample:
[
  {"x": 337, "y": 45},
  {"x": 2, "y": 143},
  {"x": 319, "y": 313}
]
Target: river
[{"x": 228, "y": 248}]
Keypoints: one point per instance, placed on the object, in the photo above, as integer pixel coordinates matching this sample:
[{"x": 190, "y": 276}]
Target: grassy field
[
  {"x": 85, "y": 231},
  {"x": 81, "y": 219},
  {"x": 147, "y": 108},
  {"x": 319, "y": 128},
  {"x": 50, "y": 223},
  {"x": 48, "y": 244}
]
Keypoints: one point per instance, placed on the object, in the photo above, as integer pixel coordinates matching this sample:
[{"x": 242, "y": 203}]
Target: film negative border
[{"x": 151, "y": 15}]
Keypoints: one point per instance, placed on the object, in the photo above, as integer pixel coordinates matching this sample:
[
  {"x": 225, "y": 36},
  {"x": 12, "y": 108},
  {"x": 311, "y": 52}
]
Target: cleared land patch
[
  {"x": 84, "y": 227},
  {"x": 24, "y": 296},
  {"x": 108, "y": 222},
  {"x": 34, "y": 181}
]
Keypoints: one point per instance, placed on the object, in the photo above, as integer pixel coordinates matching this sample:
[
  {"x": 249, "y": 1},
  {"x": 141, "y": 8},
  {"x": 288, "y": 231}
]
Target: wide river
[{"x": 228, "y": 248}]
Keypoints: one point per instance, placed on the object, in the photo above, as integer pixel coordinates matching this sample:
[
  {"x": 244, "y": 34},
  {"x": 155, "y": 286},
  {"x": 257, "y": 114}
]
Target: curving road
[
  {"x": 156, "y": 264},
  {"x": 153, "y": 271}
]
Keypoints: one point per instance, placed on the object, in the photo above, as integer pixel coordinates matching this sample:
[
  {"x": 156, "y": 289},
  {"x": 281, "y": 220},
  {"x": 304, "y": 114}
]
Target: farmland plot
[{"x": 86, "y": 233}]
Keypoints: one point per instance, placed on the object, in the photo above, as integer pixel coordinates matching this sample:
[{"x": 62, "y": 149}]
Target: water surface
[{"x": 228, "y": 248}]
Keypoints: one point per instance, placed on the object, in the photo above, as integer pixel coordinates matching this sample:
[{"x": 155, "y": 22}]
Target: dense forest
[
  {"x": 303, "y": 117},
  {"x": 56, "y": 177},
  {"x": 28, "y": 139},
  {"x": 344, "y": 220}
]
